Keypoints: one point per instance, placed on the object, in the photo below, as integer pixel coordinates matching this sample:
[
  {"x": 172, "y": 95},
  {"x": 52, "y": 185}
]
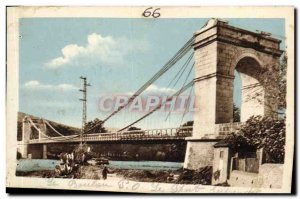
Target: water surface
[{"x": 42, "y": 164}]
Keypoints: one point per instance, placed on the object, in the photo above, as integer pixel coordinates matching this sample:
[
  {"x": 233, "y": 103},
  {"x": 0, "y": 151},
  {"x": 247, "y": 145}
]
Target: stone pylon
[{"x": 220, "y": 49}]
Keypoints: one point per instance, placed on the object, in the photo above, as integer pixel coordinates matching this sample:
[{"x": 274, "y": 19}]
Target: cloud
[
  {"x": 156, "y": 90},
  {"x": 153, "y": 89},
  {"x": 34, "y": 84},
  {"x": 99, "y": 49}
]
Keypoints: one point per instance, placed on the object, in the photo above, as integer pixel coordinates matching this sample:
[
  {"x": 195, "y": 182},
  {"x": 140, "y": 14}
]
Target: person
[
  {"x": 83, "y": 158},
  {"x": 57, "y": 171},
  {"x": 104, "y": 172}
]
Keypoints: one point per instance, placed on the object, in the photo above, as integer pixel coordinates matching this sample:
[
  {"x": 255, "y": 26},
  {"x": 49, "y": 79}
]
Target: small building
[{"x": 245, "y": 168}]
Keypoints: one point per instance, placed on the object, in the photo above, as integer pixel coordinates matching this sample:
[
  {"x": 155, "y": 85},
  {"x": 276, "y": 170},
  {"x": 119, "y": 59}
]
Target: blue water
[
  {"x": 36, "y": 164},
  {"x": 40, "y": 164}
]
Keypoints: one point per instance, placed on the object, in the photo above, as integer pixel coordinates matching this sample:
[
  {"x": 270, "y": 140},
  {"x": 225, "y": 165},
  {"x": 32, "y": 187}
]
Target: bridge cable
[
  {"x": 187, "y": 47},
  {"x": 46, "y": 122},
  {"x": 60, "y": 138},
  {"x": 188, "y": 75},
  {"x": 32, "y": 123},
  {"x": 181, "y": 72},
  {"x": 190, "y": 105},
  {"x": 159, "y": 106}
]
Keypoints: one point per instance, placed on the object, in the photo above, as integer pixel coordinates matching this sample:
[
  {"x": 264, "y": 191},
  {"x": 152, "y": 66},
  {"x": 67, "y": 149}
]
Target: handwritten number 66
[{"x": 154, "y": 14}]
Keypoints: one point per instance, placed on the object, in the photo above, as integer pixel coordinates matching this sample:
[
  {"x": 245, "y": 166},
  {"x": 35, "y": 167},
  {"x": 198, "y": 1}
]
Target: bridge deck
[
  {"x": 181, "y": 133},
  {"x": 139, "y": 135}
]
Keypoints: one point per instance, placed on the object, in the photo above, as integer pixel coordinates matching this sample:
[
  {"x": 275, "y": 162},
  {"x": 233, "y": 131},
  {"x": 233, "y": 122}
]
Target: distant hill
[{"x": 61, "y": 128}]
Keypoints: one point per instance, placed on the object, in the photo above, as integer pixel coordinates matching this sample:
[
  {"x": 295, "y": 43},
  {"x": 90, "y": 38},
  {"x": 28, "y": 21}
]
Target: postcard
[{"x": 150, "y": 99}]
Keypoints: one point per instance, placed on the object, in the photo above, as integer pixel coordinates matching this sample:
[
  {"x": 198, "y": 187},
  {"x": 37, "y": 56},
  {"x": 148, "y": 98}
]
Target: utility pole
[{"x": 84, "y": 101}]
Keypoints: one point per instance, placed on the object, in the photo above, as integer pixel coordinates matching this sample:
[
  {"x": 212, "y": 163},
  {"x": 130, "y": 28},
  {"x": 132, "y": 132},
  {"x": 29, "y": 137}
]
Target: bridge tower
[
  {"x": 220, "y": 49},
  {"x": 28, "y": 134}
]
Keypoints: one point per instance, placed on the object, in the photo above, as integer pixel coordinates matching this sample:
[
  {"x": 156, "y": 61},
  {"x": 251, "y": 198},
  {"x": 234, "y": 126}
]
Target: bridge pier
[
  {"x": 26, "y": 131},
  {"x": 23, "y": 149},
  {"x": 199, "y": 153},
  {"x": 44, "y": 151}
]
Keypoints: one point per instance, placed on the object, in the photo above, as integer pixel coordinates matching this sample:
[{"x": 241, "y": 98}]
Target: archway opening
[
  {"x": 247, "y": 87},
  {"x": 237, "y": 97}
]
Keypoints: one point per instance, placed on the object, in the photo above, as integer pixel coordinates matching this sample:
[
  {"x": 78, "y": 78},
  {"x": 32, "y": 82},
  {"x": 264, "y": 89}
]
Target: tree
[
  {"x": 188, "y": 123},
  {"x": 94, "y": 126},
  {"x": 133, "y": 128},
  {"x": 273, "y": 81},
  {"x": 236, "y": 114},
  {"x": 261, "y": 132}
]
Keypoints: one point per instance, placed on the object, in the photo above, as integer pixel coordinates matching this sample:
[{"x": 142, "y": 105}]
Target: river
[{"x": 44, "y": 164}]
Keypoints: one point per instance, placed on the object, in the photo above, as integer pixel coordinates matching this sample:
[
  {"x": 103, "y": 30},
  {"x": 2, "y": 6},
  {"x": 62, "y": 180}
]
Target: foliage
[
  {"x": 273, "y": 79},
  {"x": 188, "y": 123},
  {"x": 96, "y": 129},
  {"x": 80, "y": 150},
  {"x": 133, "y": 128},
  {"x": 261, "y": 132},
  {"x": 236, "y": 114}
]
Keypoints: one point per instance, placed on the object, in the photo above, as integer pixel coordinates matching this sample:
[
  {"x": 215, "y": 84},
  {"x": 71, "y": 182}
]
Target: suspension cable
[
  {"x": 183, "y": 85},
  {"x": 60, "y": 138},
  {"x": 187, "y": 47},
  {"x": 181, "y": 71},
  {"x": 46, "y": 122},
  {"x": 159, "y": 106},
  {"x": 32, "y": 123},
  {"x": 185, "y": 108}
]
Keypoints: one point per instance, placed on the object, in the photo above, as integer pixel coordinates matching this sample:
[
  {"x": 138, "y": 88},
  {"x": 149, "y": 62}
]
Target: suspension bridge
[{"x": 214, "y": 52}]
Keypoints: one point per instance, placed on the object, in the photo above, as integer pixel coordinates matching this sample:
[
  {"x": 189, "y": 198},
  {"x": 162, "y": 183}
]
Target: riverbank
[{"x": 179, "y": 176}]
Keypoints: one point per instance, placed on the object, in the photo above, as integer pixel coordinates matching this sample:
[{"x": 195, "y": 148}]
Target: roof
[{"x": 221, "y": 143}]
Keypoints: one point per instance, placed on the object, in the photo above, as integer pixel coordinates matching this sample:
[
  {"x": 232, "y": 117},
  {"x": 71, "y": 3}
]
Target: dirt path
[{"x": 95, "y": 173}]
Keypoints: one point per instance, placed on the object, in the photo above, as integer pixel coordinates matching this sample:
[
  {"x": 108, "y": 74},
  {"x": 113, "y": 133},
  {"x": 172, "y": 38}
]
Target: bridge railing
[
  {"x": 221, "y": 130},
  {"x": 173, "y": 133},
  {"x": 141, "y": 134}
]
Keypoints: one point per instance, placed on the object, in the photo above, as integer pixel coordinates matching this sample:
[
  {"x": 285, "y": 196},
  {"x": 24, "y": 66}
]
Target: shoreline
[{"x": 179, "y": 176}]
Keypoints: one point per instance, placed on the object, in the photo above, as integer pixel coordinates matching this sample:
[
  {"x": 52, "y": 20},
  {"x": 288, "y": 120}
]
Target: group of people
[{"x": 67, "y": 164}]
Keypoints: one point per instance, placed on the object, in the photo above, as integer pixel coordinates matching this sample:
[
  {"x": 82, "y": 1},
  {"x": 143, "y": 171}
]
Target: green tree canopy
[{"x": 94, "y": 123}]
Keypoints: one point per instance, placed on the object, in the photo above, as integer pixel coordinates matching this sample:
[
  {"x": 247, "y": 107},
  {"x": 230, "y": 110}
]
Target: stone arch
[
  {"x": 249, "y": 68},
  {"x": 244, "y": 54}
]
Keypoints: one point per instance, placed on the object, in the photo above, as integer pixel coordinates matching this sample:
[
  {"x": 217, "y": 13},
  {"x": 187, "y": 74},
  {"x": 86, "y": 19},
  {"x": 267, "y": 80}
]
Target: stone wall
[
  {"x": 221, "y": 165},
  {"x": 269, "y": 176},
  {"x": 199, "y": 153}
]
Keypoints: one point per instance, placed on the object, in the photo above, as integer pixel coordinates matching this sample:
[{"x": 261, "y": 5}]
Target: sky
[{"x": 116, "y": 55}]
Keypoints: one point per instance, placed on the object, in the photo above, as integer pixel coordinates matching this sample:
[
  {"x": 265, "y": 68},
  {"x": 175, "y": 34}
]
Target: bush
[{"x": 261, "y": 132}]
